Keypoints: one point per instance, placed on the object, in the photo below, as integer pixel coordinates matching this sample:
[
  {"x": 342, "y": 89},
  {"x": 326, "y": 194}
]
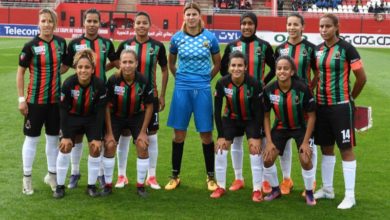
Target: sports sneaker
[
  {"x": 310, "y": 198},
  {"x": 275, "y": 194},
  {"x": 73, "y": 181},
  {"x": 211, "y": 184},
  {"x": 92, "y": 191},
  {"x": 51, "y": 180},
  {"x": 324, "y": 194},
  {"x": 59, "y": 192},
  {"x": 217, "y": 193},
  {"x": 266, "y": 187},
  {"x": 141, "y": 191},
  {"x": 107, "y": 190},
  {"x": 286, "y": 186},
  {"x": 122, "y": 181},
  {"x": 27, "y": 185},
  {"x": 152, "y": 182},
  {"x": 347, "y": 203},
  {"x": 102, "y": 181},
  {"x": 173, "y": 183},
  {"x": 237, "y": 185},
  {"x": 314, "y": 189},
  {"x": 257, "y": 196}
]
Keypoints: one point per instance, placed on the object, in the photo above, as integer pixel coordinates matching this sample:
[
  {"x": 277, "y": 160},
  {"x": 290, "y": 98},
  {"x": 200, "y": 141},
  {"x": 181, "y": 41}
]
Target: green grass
[{"x": 191, "y": 200}]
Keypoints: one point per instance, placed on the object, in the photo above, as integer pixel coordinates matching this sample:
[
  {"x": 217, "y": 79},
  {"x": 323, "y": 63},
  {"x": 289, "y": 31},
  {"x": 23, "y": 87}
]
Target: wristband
[{"x": 21, "y": 99}]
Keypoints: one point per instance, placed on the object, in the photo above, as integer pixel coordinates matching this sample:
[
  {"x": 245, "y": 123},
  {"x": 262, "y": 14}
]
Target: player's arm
[
  {"x": 148, "y": 115},
  {"x": 20, "y": 87},
  {"x": 216, "y": 64},
  {"x": 64, "y": 68},
  {"x": 172, "y": 63},
  {"x": 270, "y": 61},
  {"x": 361, "y": 79},
  {"x": 164, "y": 83}
]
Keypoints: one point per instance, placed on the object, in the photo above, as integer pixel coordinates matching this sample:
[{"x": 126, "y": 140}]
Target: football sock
[
  {"x": 122, "y": 154},
  {"x": 237, "y": 155},
  {"x": 271, "y": 174},
  {"x": 75, "y": 158},
  {"x": 308, "y": 178},
  {"x": 93, "y": 169},
  {"x": 327, "y": 166},
  {"x": 314, "y": 159},
  {"x": 108, "y": 164},
  {"x": 208, "y": 153},
  {"x": 285, "y": 160},
  {"x": 220, "y": 168},
  {"x": 51, "y": 152},
  {"x": 177, "y": 155},
  {"x": 257, "y": 171},
  {"x": 142, "y": 169},
  {"x": 101, "y": 166},
  {"x": 349, "y": 171},
  {"x": 62, "y": 167},
  {"x": 153, "y": 154},
  {"x": 28, "y": 154}
]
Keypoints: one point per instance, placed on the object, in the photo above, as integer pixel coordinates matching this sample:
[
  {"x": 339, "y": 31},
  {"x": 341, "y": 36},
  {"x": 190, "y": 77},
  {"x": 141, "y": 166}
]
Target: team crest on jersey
[
  {"x": 206, "y": 44},
  {"x": 249, "y": 93},
  {"x": 239, "y": 48},
  {"x": 274, "y": 98},
  {"x": 151, "y": 51},
  {"x": 296, "y": 100},
  {"x": 140, "y": 91},
  {"x": 228, "y": 92},
  {"x": 62, "y": 97},
  {"x": 104, "y": 48},
  {"x": 130, "y": 47},
  {"x": 39, "y": 50},
  {"x": 284, "y": 52},
  {"x": 81, "y": 47},
  {"x": 304, "y": 52},
  {"x": 75, "y": 94},
  {"x": 337, "y": 55},
  {"x": 319, "y": 53},
  {"x": 119, "y": 90},
  {"x": 258, "y": 51}
]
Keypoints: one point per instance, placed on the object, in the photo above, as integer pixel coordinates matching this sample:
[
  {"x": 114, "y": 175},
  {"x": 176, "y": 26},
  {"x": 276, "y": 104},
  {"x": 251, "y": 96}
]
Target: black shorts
[
  {"x": 85, "y": 125},
  {"x": 235, "y": 128},
  {"x": 335, "y": 124},
  {"x": 154, "y": 121},
  {"x": 39, "y": 115},
  {"x": 134, "y": 124},
  {"x": 281, "y": 136}
]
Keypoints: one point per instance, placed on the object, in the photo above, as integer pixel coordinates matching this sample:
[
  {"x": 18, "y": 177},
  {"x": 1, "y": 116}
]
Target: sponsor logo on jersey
[
  {"x": 284, "y": 52},
  {"x": 239, "y": 48},
  {"x": 39, "y": 50},
  {"x": 228, "y": 92},
  {"x": 130, "y": 47},
  {"x": 274, "y": 98},
  {"x": 75, "y": 93},
  {"x": 119, "y": 90},
  {"x": 81, "y": 47}
]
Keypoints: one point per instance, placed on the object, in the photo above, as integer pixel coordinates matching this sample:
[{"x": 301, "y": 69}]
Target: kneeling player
[
  {"x": 243, "y": 112},
  {"x": 130, "y": 107},
  {"x": 83, "y": 101},
  {"x": 290, "y": 99}
]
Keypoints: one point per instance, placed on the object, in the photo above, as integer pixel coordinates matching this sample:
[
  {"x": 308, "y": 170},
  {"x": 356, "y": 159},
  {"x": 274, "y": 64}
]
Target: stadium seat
[{"x": 309, "y": 10}]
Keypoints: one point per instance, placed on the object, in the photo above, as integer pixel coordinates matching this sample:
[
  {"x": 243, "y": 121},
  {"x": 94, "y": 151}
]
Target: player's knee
[
  {"x": 207, "y": 137},
  {"x": 94, "y": 148},
  {"x": 142, "y": 153},
  {"x": 109, "y": 149}
]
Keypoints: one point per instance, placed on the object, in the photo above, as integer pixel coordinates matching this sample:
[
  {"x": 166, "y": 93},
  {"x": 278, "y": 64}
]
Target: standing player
[
  {"x": 302, "y": 52},
  {"x": 335, "y": 60},
  {"x": 149, "y": 53},
  {"x": 259, "y": 53},
  {"x": 194, "y": 47},
  {"x": 104, "y": 49},
  {"x": 243, "y": 113},
  {"x": 130, "y": 107},
  {"x": 83, "y": 101},
  {"x": 291, "y": 100},
  {"x": 43, "y": 56}
]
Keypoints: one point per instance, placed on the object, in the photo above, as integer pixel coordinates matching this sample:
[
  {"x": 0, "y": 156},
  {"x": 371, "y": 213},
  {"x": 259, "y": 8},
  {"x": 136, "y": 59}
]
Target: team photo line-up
[{"x": 311, "y": 98}]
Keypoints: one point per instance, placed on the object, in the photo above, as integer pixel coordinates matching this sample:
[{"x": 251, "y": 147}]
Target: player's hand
[
  {"x": 23, "y": 108},
  {"x": 255, "y": 148},
  {"x": 162, "y": 103},
  {"x": 269, "y": 151},
  {"x": 221, "y": 145},
  {"x": 142, "y": 140},
  {"x": 66, "y": 145},
  {"x": 305, "y": 152}
]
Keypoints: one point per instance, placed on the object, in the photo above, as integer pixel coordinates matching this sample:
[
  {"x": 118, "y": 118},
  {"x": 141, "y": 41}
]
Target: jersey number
[{"x": 346, "y": 134}]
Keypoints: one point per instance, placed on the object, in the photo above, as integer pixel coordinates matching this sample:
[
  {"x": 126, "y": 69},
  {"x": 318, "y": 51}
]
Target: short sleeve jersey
[
  {"x": 334, "y": 65},
  {"x": 126, "y": 100},
  {"x": 303, "y": 56},
  {"x": 194, "y": 58},
  {"x": 43, "y": 59},
  {"x": 289, "y": 107},
  {"x": 149, "y": 54},
  {"x": 239, "y": 98},
  {"x": 258, "y": 52},
  {"x": 81, "y": 100},
  {"x": 102, "y": 47}
]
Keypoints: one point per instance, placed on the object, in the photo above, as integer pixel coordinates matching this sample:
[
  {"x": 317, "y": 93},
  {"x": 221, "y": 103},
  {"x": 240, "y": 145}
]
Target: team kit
[{"x": 307, "y": 88}]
